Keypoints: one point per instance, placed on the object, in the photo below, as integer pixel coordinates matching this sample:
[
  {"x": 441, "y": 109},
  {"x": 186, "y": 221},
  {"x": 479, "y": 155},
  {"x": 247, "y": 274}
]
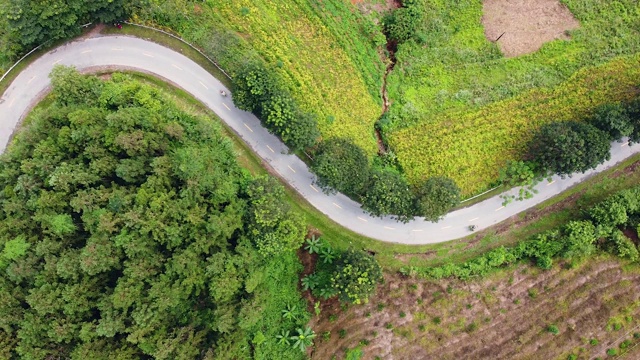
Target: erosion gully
[{"x": 392, "y": 47}]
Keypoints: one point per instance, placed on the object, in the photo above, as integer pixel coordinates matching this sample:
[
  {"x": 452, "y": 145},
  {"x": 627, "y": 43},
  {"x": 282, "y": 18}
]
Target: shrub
[
  {"x": 553, "y": 329},
  {"x": 405, "y": 22},
  {"x": 342, "y": 333},
  {"x": 326, "y": 336},
  {"x": 579, "y": 238},
  {"x": 402, "y": 314},
  {"x": 356, "y": 276},
  {"x": 612, "y": 352},
  {"x": 593, "y": 342},
  {"x": 625, "y": 344},
  {"x": 622, "y": 246}
]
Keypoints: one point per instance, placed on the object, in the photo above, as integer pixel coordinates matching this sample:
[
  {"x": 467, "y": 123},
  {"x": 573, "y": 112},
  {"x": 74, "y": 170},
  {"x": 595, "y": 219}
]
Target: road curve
[{"x": 138, "y": 54}]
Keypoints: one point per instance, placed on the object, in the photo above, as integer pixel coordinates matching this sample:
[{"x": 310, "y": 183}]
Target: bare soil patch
[
  {"x": 504, "y": 316},
  {"x": 526, "y": 24}
]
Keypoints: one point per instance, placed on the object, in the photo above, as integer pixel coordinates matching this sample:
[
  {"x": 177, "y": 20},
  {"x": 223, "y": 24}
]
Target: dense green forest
[{"x": 128, "y": 230}]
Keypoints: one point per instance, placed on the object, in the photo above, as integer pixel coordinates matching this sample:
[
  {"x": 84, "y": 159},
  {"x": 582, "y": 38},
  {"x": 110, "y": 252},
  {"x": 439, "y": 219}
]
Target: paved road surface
[{"x": 133, "y": 53}]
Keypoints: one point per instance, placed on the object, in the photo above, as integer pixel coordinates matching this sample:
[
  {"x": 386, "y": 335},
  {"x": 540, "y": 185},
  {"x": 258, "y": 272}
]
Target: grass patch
[{"x": 171, "y": 43}]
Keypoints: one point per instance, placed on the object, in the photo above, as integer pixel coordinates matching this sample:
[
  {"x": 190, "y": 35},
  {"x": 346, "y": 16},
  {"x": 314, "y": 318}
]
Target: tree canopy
[
  {"x": 128, "y": 230},
  {"x": 257, "y": 89},
  {"x": 32, "y": 22},
  {"x": 341, "y": 165},
  {"x": 388, "y": 193},
  {"x": 435, "y": 197},
  {"x": 566, "y": 147}
]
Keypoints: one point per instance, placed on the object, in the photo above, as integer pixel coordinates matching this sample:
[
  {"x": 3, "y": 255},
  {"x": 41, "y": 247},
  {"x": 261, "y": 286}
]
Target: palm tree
[
  {"x": 327, "y": 292},
  {"x": 290, "y": 312},
  {"x": 327, "y": 254},
  {"x": 283, "y": 338},
  {"x": 310, "y": 282},
  {"x": 304, "y": 339},
  {"x": 313, "y": 245}
]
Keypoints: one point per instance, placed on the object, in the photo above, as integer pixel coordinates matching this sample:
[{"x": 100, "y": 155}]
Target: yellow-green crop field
[
  {"x": 461, "y": 109},
  {"x": 320, "y": 49},
  {"x": 471, "y": 146}
]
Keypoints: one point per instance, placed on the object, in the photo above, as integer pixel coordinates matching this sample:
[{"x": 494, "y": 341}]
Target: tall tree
[
  {"x": 567, "y": 147},
  {"x": 435, "y": 197},
  {"x": 341, "y": 166},
  {"x": 388, "y": 193},
  {"x": 612, "y": 119}
]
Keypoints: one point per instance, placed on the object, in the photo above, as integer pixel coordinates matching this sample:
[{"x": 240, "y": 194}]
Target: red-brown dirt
[
  {"x": 504, "y": 316},
  {"x": 526, "y": 24}
]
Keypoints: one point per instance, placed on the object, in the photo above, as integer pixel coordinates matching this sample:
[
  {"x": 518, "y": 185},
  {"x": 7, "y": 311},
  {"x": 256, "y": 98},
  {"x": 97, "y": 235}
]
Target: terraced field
[{"x": 503, "y": 317}]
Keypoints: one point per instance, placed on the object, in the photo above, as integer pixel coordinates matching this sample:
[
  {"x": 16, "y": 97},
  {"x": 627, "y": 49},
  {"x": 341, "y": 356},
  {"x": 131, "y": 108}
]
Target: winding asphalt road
[{"x": 137, "y": 54}]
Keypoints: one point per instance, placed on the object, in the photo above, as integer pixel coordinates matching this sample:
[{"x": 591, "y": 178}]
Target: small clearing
[{"x": 526, "y": 24}]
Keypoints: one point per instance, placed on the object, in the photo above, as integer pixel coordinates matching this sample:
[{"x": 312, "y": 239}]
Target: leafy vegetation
[
  {"x": 255, "y": 89},
  {"x": 324, "y": 53},
  {"x": 352, "y": 275},
  {"x": 30, "y": 23},
  {"x": 128, "y": 230},
  {"x": 577, "y": 239},
  {"x": 567, "y": 147},
  {"x": 461, "y": 109}
]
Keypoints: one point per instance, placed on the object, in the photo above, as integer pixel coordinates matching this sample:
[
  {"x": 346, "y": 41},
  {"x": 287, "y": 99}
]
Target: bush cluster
[
  {"x": 258, "y": 90},
  {"x": 566, "y": 147},
  {"x": 352, "y": 275},
  {"x": 600, "y": 229},
  {"x": 380, "y": 187}
]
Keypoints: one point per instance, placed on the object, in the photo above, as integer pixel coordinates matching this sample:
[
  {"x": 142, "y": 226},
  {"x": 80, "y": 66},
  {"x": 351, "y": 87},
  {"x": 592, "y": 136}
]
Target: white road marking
[
  {"x": 389, "y": 228},
  {"x": 269, "y": 147},
  {"x": 247, "y": 126},
  {"x": 116, "y": 49},
  {"x": 205, "y": 86},
  {"x": 446, "y": 227},
  {"x": 30, "y": 80},
  {"x": 500, "y": 208},
  {"x": 86, "y": 51},
  {"x": 551, "y": 183},
  {"x": 474, "y": 219},
  {"x": 57, "y": 61},
  {"x": 176, "y": 66},
  {"x": 147, "y": 54},
  {"x": 416, "y": 230},
  {"x": 225, "y": 105},
  {"x": 290, "y": 168},
  {"x": 625, "y": 144},
  {"x": 11, "y": 102},
  {"x": 314, "y": 189},
  {"x": 365, "y": 220},
  {"x": 338, "y": 206}
]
